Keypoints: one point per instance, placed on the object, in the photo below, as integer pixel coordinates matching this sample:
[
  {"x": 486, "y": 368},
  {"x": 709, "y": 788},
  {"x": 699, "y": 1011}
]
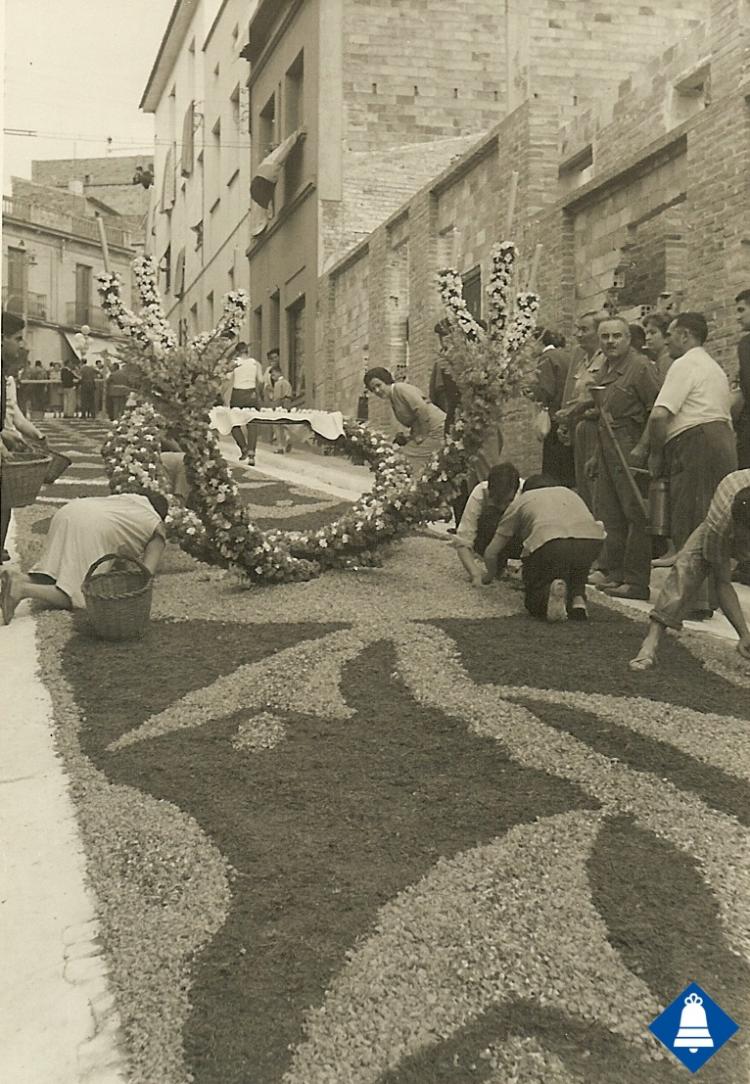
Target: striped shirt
[{"x": 717, "y": 526}]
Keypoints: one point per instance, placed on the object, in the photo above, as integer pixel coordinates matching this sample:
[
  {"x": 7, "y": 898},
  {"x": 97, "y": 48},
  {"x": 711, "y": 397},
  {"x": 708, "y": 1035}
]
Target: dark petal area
[
  {"x": 41, "y": 526},
  {"x": 322, "y": 830},
  {"x": 596, "y": 1055},
  {"x": 272, "y": 492},
  {"x": 663, "y": 919},
  {"x": 713, "y": 786},
  {"x": 309, "y": 521},
  {"x": 591, "y": 657},
  {"x": 120, "y": 685}
]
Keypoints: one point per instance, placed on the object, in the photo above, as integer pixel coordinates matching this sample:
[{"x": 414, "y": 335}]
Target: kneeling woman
[
  {"x": 484, "y": 509},
  {"x": 425, "y": 421},
  {"x": 561, "y": 540},
  {"x": 80, "y": 533}
]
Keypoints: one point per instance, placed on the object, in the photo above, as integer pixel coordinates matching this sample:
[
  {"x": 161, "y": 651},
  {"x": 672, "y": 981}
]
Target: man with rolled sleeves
[
  {"x": 630, "y": 386},
  {"x": 690, "y": 437}
]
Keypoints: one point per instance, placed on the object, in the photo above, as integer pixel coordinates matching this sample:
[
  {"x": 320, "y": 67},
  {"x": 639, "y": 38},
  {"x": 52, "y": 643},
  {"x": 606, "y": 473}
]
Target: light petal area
[{"x": 510, "y": 920}]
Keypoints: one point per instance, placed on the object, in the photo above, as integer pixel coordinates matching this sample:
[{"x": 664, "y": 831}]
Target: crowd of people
[
  {"x": 74, "y": 389},
  {"x": 628, "y": 405}
]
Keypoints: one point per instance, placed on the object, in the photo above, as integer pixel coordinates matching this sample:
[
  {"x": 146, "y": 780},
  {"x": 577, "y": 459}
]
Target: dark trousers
[
  {"x": 5, "y": 511},
  {"x": 88, "y": 400},
  {"x": 245, "y": 397},
  {"x": 695, "y": 462},
  {"x": 558, "y": 460},
  {"x": 626, "y": 556},
  {"x": 568, "y": 559}
]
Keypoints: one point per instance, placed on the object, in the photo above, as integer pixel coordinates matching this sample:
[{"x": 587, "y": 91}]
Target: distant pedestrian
[
  {"x": 69, "y": 382},
  {"x": 246, "y": 388},
  {"x": 280, "y": 395},
  {"x": 87, "y": 377}
]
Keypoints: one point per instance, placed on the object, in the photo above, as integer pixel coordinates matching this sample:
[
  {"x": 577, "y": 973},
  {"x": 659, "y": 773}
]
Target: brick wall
[
  {"x": 419, "y": 70},
  {"x": 100, "y": 171}
]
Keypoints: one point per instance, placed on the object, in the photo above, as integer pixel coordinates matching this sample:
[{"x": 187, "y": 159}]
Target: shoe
[
  {"x": 698, "y": 615},
  {"x": 664, "y": 562},
  {"x": 598, "y": 578},
  {"x": 288, "y": 447},
  {"x": 250, "y": 460},
  {"x": 577, "y": 611},
  {"x": 4, "y": 556},
  {"x": 627, "y": 590},
  {"x": 280, "y": 451},
  {"x": 556, "y": 610}
]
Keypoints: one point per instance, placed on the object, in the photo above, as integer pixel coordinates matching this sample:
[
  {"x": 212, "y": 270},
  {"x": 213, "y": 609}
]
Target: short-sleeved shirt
[
  {"x": 466, "y": 534},
  {"x": 743, "y": 356},
  {"x": 281, "y": 390},
  {"x": 248, "y": 373},
  {"x": 695, "y": 391},
  {"x": 542, "y": 515},
  {"x": 718, "y": 539}
]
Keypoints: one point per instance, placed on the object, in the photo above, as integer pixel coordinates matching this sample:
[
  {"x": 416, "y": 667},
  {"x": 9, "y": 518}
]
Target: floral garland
[{"x": 180, "y": 385}]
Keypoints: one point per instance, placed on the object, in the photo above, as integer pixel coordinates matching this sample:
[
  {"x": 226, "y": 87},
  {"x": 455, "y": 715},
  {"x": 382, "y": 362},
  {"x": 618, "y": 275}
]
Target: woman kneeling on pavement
[
  {"x": 484, "y": 509},
  {"x": 561, "y": 540},
  {"x": 80, "y": 533}
]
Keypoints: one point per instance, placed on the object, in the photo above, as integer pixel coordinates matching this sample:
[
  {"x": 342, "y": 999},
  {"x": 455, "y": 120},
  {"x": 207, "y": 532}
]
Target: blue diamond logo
[{"x": 693, "y": 1027}]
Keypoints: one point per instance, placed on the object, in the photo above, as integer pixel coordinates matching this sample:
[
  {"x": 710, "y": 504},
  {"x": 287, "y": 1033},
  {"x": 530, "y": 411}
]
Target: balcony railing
[
  {"x": 56, "y": 220},
  {"x": 76, "y": 315},
  {"x": 25, "y": 303}
]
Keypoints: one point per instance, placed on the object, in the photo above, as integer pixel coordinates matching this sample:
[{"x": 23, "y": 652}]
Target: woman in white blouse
[{"x": 484, "y": 509}]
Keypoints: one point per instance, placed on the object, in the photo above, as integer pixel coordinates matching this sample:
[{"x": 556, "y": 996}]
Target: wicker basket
[
  {"x": 58, "y": 465},
  {"x": 22, "y": 479},
  {"x": 118, "y": 603}
]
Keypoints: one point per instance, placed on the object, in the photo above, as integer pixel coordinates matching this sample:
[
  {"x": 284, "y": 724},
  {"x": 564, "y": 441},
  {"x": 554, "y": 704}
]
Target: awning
[
  {"x": 97, "y": 346},
  {"x": 268, "y": 172}
]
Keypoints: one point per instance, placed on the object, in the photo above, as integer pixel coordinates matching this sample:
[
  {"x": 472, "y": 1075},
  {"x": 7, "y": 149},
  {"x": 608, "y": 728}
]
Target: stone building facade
[
  {"x": 380, "y": 97},
  {"x": 644, "y": 194},
  {"x": 51, "y": 257},
  {"x": 110, "y": 180}
]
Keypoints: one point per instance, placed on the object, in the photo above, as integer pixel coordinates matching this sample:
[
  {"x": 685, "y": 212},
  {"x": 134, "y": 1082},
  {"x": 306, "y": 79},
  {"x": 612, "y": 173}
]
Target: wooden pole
[
  {"x": 535, "y": 267},
  {"x": 511, "y": 210},
  {"x": 103, "y": 239}
]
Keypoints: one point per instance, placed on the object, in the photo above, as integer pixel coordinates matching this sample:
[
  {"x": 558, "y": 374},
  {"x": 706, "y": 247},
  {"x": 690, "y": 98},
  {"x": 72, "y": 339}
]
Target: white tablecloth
[{"x": 327, "y": 424}]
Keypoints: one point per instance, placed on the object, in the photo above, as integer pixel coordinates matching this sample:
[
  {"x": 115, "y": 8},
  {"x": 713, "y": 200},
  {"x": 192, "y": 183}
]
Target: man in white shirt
[
  {"x": 246, "y": 388},
  {"x": 690, "y": 436}
]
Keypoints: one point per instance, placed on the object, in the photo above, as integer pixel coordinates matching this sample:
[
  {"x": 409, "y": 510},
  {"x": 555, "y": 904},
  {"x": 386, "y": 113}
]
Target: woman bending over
[
  {"x": 80, "y": 533},
  {"x": 484, "y": 509},
  {"x": 424, "y": 420}
]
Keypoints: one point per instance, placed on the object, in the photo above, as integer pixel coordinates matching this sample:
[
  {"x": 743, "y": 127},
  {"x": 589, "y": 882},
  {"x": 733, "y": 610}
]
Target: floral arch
[{"x": 179, "y": 384}]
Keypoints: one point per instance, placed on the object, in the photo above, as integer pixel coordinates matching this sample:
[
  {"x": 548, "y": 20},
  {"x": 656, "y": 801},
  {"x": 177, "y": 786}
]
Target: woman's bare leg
[
  {"x": 22, "y": 587},
  {"x": 646, "y": 657}
]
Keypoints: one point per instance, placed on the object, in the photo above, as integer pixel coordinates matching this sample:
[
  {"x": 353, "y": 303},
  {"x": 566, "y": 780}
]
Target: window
[
  {"x": 267, "y": 132},
  {"x": 194, "y": 324},
  {"x": 16, "y": 287},
  {"x": 214, "y": 164},
  {"x": 274, "y": 332},
  {"x": 472, "y": 281},
  {"x": 166, "y": 268},
  {"x": 234, "y": 100},
  {"x": 230, "y": 278},
  {"x": 210, "y": 308},
  {"x": 83, "y": 294},
  {"x": 258, "y": 330},
  {"x": 296, "y": 339}
]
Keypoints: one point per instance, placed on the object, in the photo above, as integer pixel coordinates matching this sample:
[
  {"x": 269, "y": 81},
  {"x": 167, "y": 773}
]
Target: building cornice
[
  {"x": 53, "y": 231},
  {"x": 169, "y": 49}
]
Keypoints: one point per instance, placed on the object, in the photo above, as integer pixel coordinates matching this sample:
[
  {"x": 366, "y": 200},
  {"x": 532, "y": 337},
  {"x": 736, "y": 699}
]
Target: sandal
[
  {"x": 644, "y": 662},
  {"x": 7, "y": 602}
]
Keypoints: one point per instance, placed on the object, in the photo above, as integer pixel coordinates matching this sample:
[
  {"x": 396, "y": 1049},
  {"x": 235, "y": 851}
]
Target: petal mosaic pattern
[{"x": 379, "y": 827}]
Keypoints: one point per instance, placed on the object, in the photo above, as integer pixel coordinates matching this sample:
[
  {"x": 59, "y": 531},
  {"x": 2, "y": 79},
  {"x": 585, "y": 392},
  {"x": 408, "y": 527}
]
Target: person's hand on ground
[
  {"x": 744, "y": 647},
  {"x": 12, "y": 441},
  {"x": 400, "y": 439},
  {"x": 487, "y": 579}
]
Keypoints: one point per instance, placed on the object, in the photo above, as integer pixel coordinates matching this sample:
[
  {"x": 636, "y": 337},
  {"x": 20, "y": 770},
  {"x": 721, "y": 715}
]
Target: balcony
[
  {"x": 25, "y": 303},
  {"x": 57, "y": 220},
  {"x": 76, "y": 315}
]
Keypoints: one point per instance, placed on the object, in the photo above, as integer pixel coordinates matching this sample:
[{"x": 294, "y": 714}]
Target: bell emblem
[{"x": 693, "y": 1031}]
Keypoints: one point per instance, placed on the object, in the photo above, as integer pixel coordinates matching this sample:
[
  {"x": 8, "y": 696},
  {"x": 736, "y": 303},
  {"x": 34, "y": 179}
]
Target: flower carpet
[{"x": 380, "y": 828}]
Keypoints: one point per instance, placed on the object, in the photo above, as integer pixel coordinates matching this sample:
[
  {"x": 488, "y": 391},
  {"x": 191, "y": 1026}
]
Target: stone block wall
[{"x": 420, "y": 70}]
